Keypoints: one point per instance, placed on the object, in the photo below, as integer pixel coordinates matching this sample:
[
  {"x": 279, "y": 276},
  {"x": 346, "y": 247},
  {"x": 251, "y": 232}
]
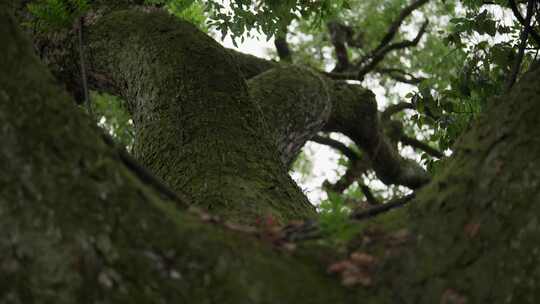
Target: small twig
[
  {"x": 341, "y": 147},
  {"x": 380, "y": 53},
  {"x": 400, "y": 75},
  {"x": 341, "y": 76},
  {"x": 338, "y": 36},
  {"x": 394, "y": 27},
  {"x": 396, "y": 108},
  {"x": 512, "y": 77},
  {"x": 358, "y": 165},
  {"x": 370, "y": 198},
  {"x": 354, "y": 171},
  {"x": 367, "y": 63},
  {"x": 415, "y": 143},
  {"x": 522, "y": 20},
  {"x": 374, "y": 211}
]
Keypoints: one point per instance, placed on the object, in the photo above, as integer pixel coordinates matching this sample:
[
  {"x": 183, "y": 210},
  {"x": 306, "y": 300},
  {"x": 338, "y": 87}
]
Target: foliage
[
  {"x": 487, "y": 48},
  {"x": 113, "y": 117},
  {"x": 189, "y": 10},
  {"x": 268, "y": 16},
  {"x": 303, "y": 165},
  {"x": 53, "y": 15},
  {"x": 194, "y": 12},
  {"x": 334, "y": 219},
  {"x": 464, "y": 58},
  {"x": 57, "y": 14}
]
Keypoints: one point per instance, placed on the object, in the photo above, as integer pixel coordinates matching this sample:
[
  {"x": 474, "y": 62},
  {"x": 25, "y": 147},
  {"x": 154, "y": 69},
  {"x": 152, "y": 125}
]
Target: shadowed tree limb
[
  {"x": 368, "y": 63},
  {"x": 282, "y": 48},
  {"x": 397, "y": 133},
  {"x": 396, "y": 108},
  {"x": 379, "y": 54},
  {"x": 338, "y": 37},
  {"x": 337, "y": 145},
  {"x": 351, "y": 110},
  {"x": 370, "y": 198},
  {"x": 358, "y": 165},
  {"x": 399, "y": 75},
  {"x": 394, "y": 27},
  {"x": 355, "y": 115},
  {"x": 512, "y": 76},
  {"x": 371, "y": 212},
  {"x": 415, "y": 143},
  {"x": 523, "y": 21},
  {"x": 352, "y": 174}
]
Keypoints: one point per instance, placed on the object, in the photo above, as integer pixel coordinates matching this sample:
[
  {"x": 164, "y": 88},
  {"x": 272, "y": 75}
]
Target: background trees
[{"x": 218, "y": 129}]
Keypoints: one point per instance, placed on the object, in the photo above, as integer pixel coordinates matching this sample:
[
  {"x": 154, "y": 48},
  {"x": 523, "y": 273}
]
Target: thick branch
[
  {"x": 415, "y": 143},
  {"x": 381, "y": 208},
  {"x": 180, "y": 113},
  {"x": 78, "y": 227},
  {"x": 341, "y": 147},
  {"x": 355, "y": 115},
  {"x": 250, "y": 65},
  {"x": 114, "y": 70},
  {"x": 357, "y": 167},
  {"x": 295, "y": 102}
]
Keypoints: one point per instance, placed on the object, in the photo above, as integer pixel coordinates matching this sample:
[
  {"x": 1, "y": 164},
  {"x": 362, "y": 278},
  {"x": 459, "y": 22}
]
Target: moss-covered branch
[
  {"x": 78, "y": 227},
  {"x": 196, "y": 127}
]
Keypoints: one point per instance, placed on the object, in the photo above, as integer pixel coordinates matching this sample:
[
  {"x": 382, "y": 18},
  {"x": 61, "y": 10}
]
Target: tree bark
[
  {"x": 196, "y": 127},
  {"x": 79, "y": 227},
  {"x": 303, "y": 88}
]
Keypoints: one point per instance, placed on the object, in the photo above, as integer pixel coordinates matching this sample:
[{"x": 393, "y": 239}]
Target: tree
[{"x": 83, "y": 222}]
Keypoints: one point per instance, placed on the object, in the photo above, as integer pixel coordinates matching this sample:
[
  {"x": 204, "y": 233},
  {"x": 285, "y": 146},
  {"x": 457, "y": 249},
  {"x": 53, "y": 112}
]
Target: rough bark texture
[
  {"x": 350, "y": 110},
  {"x": 477, "y": 223},
  {"x": 196, "y": 127},
  {"x": 355, "y": 115},
  {"x": 116, "y": 76},
  {"x": 296, "y": 102},
  {"x": 78, "y": 227}
]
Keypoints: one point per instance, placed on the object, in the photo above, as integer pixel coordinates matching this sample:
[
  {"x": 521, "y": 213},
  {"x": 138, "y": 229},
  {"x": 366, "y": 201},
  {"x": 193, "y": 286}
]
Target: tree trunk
[
  {"x": 79, "y": 227},
  {"x": 196, "y": 127}
]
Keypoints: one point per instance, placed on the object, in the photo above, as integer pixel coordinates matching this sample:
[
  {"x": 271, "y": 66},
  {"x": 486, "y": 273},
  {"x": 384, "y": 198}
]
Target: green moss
[
  {"x": 78, "y": 227},
  {"x": 196, "y": 127}
]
